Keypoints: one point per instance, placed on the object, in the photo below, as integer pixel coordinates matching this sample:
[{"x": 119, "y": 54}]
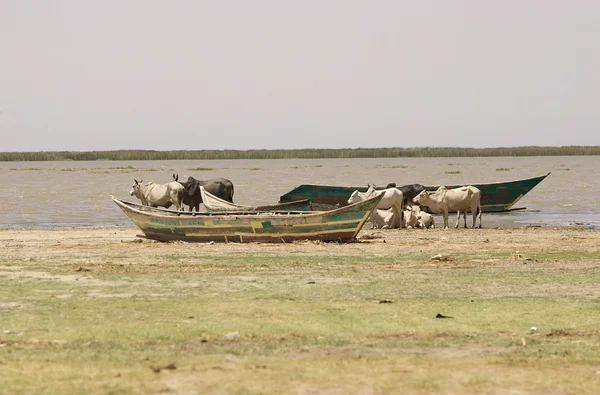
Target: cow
[
  {"x": 459, "y": 199},
  {"x": 384, "y": 219},
  {"x": 414, "y": 217},
  {"x": 220, "y": 187},
  {"x": 155, "y": 195},
  {"x": 391, "y": 197},
  {"x": 410, "y": 217},
  {"x": 425, "y": 220},
  {"x": 408, "y": 191}
]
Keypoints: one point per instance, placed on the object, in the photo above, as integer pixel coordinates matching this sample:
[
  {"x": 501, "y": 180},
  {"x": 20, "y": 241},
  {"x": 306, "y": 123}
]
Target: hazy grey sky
[{"x": 142, "y": 74}]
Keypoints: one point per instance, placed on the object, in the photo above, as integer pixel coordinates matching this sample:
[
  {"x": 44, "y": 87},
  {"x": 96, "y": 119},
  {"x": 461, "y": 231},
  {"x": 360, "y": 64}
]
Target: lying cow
[
  {"x": 391, "y": 197},
  {"x": 220, "y": 187},
  {"x": 460, "y": 199},
  {"x": 425, "y": 220},
  {"x": 410, "y": 217},
  {"x": 155, "y": 195},
  {"x": 384, "y": 219},
  {"x": 414, "y": 217}
]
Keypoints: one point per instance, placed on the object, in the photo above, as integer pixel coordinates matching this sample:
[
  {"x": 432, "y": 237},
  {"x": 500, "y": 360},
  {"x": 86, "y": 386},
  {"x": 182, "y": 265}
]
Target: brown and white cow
[{"x": 460, "y": 199}]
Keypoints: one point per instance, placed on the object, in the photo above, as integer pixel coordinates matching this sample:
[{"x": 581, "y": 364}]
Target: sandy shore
[{"x": 124, "y": 243}]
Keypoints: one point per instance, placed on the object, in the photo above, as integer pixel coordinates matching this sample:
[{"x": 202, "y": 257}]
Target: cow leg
[
  {"x": 445, "y": 214},
  {"x": 465, "y": 218},
  {"x": 399, "y": 217},
  {"x": 457, "y": 219}
]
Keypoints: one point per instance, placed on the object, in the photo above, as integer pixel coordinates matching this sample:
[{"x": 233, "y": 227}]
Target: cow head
[
  {"x": 354, "y": 198},
  {"x": 421, "y": 196},
  {"x": 193, "y": 187},
  {"x": 135, "y": 189}
]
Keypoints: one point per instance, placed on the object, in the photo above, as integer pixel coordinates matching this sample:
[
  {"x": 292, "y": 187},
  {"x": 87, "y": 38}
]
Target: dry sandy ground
[{"x": 123, "y": 244}]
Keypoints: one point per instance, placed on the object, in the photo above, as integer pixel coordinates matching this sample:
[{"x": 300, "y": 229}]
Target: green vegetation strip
[
  {"x": 393, "y": 152},
  {"x": 271, "y": 323}
]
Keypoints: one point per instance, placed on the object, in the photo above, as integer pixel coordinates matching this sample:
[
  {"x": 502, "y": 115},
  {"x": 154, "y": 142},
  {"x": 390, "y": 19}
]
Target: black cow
[
  {"x": 220, "y": 187},
  {"x": 409, "y": 191}
]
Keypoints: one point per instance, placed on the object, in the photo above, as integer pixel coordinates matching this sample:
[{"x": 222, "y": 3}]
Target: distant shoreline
[{"x": 307, "y": 153}]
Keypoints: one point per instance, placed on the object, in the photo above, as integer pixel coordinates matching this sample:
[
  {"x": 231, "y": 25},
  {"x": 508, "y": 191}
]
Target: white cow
[
  {"x": 459, "y": 199},
  {"x": 384, "y": 219},
  {"x": 392, "y": 197},
  {"x": 414, "y": 217},
  {"x": 154, "y": 195},
  {"x": 425, "y": 220},
  {"x": 411, "y": 219}
]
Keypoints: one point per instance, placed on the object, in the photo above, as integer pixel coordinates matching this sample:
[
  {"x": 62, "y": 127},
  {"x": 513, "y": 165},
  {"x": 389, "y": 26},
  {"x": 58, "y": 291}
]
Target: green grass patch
[
  {"x": 452, "y": 172},
  {"x": 201, "y": 169},
  {"x": 196, "y": 319},
  {"x": 503, "y": 169}
]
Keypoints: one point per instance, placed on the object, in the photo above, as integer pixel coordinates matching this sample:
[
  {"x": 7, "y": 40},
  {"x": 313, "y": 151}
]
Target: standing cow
[
  {"x": 459, "y": 199},
  {"x": 408, "y": 191},
  {"x": 220, "y": 187},
  {"x": 392, "y": 197},
  {"x": 154, "y": 195}
]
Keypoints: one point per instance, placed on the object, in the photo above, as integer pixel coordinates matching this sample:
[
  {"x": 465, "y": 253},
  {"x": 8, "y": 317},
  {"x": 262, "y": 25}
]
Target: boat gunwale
[
  {"x": 157, "y": 211},
  {"x": 232, "y": 207},
  {"x": 542, "y": 177}
]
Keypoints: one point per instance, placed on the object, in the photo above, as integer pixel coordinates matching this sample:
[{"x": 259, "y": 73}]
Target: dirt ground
[
  {"x": 486, "y": 351},
  {"x": 126, "y": 245}
]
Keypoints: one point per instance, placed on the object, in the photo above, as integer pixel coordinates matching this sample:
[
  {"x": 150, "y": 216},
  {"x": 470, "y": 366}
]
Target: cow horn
[{"x": 176, "y": 176}]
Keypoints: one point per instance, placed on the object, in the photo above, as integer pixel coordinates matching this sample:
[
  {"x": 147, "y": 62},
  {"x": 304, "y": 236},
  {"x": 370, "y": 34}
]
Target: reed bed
[{"x": 308, "y": 153}]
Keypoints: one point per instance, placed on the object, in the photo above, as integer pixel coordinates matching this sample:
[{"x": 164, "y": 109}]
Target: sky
[{"x": 80, "y": 75}]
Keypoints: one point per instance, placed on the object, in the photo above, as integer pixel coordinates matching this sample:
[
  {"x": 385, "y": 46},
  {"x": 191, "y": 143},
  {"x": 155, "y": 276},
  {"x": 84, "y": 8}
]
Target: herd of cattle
[
  {"x": 401, "y": 207},
  {"x": 408, "y": 206}
]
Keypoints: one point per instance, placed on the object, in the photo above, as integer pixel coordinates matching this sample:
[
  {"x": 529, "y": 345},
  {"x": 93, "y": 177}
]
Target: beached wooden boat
[
  {"x": 214, "y": 203},
  {"x": 495, "y": 197},
  {"x": 342, "y": 224}
]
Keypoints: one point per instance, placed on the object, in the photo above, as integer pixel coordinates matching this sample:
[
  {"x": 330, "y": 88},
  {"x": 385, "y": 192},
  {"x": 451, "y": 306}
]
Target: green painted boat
[
  {"x": 340, "y": 225},
  {"x": 495, "y": 197}
]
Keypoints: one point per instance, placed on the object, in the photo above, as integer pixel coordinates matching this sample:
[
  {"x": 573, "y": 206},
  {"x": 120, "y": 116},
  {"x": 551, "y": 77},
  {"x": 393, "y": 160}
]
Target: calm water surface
[{"x": 65, "y": 194}]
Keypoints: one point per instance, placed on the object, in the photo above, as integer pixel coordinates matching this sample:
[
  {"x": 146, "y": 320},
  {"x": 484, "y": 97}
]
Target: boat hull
[
  {"x": 340, "y": 225},
  {"x": 495, "y": 197}
]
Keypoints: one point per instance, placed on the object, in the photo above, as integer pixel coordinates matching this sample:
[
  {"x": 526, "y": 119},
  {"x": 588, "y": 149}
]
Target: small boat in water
[
  {"x": 495, "y": 197},
  {"x": 340, "y": 225},
  {"x": 214, "y": 203}
]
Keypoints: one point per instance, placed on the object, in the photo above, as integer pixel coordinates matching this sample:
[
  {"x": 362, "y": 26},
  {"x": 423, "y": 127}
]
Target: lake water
[{"x": 66, "y": 194}]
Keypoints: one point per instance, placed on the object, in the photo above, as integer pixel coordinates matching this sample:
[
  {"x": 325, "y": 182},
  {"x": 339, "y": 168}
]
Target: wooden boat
[
  {"x": 495, "y": 197},
  {"x": 214, "y": 203},
  {"x": 341, "y": 224}
]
